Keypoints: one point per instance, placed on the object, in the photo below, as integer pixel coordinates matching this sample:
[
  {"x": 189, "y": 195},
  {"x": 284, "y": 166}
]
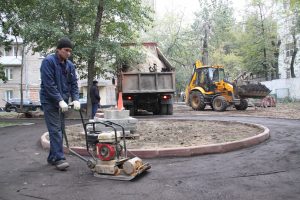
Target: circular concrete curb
[{"x": 184, "y": 151}]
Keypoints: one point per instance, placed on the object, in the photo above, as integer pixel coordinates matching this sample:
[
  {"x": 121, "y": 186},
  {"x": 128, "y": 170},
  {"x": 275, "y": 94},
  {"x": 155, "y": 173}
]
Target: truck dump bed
[{"x": 142, "y": 82}]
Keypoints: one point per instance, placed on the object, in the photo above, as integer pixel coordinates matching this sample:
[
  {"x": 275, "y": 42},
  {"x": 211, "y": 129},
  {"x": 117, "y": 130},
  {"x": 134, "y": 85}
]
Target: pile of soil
[{"x": 154, "y": 134}]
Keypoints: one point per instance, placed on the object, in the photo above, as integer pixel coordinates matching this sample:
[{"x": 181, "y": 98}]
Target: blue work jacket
[{"x": 59, "y": 81}]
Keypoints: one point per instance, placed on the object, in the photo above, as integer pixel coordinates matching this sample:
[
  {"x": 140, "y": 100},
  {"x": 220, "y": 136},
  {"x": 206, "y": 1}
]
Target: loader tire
[
  {"x": 243, "y": 105},
  {"x": 197, "y": 100},
  {"x": 219, "y": 104}
]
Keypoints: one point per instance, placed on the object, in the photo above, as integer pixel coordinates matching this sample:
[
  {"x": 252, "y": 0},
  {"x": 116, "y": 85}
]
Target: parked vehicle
[
  {"x": 150, "y": 85},
  {"x": 83, "y": 103},
  {"x": 153, "y": 92},
  {"x": 14, "y": 105}
]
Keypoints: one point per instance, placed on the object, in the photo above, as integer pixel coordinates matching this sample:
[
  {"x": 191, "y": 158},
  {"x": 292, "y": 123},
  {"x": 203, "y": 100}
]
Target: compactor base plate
[{"x": 123, "y": 176}]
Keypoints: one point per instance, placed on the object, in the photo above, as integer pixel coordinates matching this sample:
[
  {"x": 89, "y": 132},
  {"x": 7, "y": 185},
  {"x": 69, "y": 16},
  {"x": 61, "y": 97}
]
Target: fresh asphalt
[{"x": 269, "y": 171}]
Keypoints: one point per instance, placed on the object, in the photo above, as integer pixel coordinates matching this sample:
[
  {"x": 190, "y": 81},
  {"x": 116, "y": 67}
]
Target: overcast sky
[{"x": 188, "y": 7}]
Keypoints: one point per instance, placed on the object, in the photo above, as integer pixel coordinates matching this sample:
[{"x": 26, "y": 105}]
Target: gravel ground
[
  {"x": 157, "y": 133},
  {"x": 174, "y": 133},
  {"x": 282, "y": 110}
]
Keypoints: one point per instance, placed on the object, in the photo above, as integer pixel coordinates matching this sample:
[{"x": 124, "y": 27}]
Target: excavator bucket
[{"x": 253, "y": 91}]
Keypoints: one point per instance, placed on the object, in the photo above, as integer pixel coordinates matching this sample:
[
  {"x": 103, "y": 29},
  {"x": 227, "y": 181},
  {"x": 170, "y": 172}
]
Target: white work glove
[
  {"x": 76, "y": 105},
  {"x": 63, "y": 106}
]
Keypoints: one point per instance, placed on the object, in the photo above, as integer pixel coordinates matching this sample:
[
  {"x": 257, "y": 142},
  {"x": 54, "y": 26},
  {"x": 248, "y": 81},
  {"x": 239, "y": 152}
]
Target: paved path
[{"x": 268, "y": 171}]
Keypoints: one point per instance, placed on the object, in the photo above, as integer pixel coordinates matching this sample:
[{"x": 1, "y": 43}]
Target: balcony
[{"x": 11, "y": 60}]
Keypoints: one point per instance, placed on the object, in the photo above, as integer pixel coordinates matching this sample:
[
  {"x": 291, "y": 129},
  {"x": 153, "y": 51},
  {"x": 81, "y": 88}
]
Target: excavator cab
[{"x": 207, "y": 77}]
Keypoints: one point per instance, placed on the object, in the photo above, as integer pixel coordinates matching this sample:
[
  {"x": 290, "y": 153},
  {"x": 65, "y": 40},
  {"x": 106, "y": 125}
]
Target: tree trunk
[
  {"x": 92, "y": 57},
  {"x": 276, "y": 56},
  {"x": 265, "y": 64},
  {"x": 205, "y": 47},
  {"x": 293, "y": 57},
  {"x": 21, "y": 82}
]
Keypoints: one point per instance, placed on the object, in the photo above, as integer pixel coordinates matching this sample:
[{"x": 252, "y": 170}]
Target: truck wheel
[
  {"x": 219, "y": 103},
  {"x": 163, "y": 109},
  {"x": 13, "y": 109},
  {"x": 131, "y": 110},
  {"x": 243, "y": 105},
  {"x": 156, "y": 110},
  {"x": 197, "y": 100},
  {"x": 170, "y": 109}
]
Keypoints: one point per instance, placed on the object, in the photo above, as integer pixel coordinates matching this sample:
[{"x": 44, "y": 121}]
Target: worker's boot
[{"x": 61, "y": 165}]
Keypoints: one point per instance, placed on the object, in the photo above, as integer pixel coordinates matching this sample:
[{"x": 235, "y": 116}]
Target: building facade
[
  {"x": 286, "y": 87},
  {"x": 286, "y": 21},
  {"x": 25, "y": 65},
  {"x": 16, "y": 61}
]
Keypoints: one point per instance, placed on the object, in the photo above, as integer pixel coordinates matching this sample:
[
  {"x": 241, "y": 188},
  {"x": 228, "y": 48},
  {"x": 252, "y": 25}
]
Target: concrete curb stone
[{"x": 184, "y": 151}]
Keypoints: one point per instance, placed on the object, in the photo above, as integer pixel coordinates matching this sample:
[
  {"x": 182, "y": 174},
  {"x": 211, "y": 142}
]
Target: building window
[
  {"x": 8, "y": 73},
  {"x": 9, "y": 52},
  {"x": 286, "y": 5},
  {"x": 289, "y": 48},
  {"x": 14, "y": 50},
  {"x": 17, "y": 50},
  {"x": 8, "y": 95}
]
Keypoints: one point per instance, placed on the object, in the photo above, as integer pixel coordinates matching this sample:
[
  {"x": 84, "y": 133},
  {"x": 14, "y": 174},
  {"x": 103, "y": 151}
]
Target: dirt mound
[
  {"x": 253, "y": 91},
  {"x": 174, "y": 133}
]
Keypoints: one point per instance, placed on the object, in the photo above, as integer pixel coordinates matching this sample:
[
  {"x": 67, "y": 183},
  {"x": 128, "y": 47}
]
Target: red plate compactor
[{"x": 108, "y": 156}]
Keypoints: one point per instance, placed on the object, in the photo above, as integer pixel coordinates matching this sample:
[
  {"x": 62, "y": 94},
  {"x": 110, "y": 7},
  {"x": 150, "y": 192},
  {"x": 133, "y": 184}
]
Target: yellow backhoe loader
[{"x": 208, "y": 86}]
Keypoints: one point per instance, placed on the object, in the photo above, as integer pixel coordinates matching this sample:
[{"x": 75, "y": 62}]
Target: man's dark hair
[{"x": 64, "y": 43}]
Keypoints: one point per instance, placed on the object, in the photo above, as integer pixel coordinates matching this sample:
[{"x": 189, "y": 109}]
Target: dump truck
[
  {"x": 149, "y": 86},
  {"x": 208, "y": 86}
]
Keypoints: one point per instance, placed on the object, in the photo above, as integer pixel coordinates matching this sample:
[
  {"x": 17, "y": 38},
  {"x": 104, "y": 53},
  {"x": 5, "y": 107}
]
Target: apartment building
[
  {"x": 18, "y": 63},
  {"x": 12, "y": 61},
  {"x": 286, "y": 21},
  {"x": 286, "y": 87}
]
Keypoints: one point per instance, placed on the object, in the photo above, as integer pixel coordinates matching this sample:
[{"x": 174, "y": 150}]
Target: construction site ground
[
  {"x": 289, "y": 110},
  {"x": 156, "y": 132},
  {"x": 268, "y": 171}
]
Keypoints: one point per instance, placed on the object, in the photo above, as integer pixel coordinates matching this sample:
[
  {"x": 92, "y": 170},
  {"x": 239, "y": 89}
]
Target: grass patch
[{"x": 4, "y": 124}]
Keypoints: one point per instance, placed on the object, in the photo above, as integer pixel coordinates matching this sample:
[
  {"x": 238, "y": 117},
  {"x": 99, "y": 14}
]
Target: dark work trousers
[
  {"x": 54, "y": 121},
  {"x": 94, "y": 109}
]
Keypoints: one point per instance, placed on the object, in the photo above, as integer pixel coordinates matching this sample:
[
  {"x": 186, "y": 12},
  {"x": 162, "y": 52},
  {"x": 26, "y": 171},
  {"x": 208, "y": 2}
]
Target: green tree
[
  {"x": 293, "y": 19},
  {"x": 212, "y": 26},
  {"x": 294, "y": 30},
  {"x": 177, "y": 42},
  {"x": 183, "y": 44},
  {"x": 2, "y": 74},
  {"x": 96, "y": 27},
  {"x": 258, "y": 47}
]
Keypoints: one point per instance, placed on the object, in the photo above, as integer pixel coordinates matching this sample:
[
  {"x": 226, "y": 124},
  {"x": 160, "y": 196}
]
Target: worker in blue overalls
[{"x": 58, "y": 86}]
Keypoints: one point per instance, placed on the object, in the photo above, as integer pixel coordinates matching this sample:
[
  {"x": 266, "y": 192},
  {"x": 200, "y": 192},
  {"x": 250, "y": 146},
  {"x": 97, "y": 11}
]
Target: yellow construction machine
[{"x": 208, "y": 86}]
